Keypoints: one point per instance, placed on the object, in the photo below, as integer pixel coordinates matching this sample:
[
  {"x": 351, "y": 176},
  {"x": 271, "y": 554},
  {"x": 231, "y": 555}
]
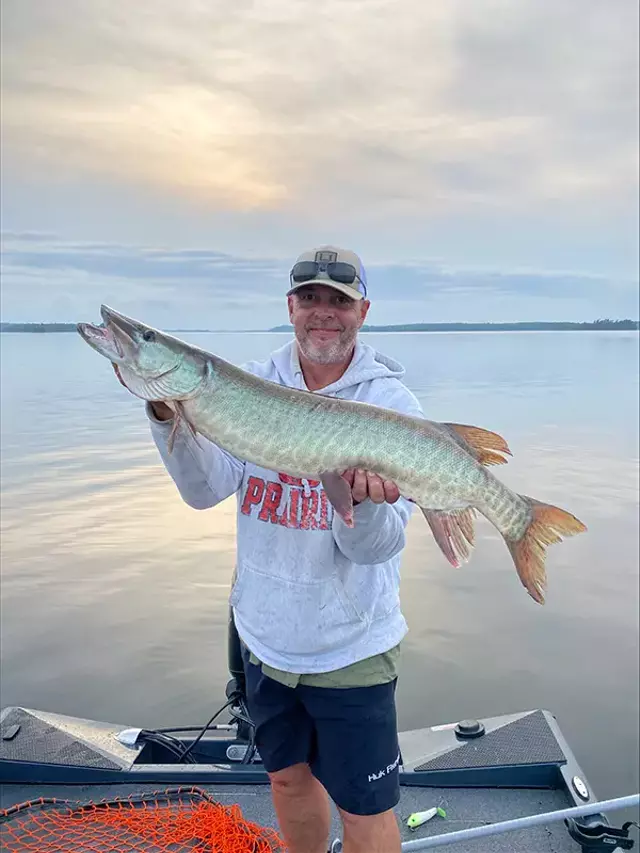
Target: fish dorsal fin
[{"x": 486, "y": 446}]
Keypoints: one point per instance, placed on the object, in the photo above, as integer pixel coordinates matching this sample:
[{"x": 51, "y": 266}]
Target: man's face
[{"x": 326, "y": 322}]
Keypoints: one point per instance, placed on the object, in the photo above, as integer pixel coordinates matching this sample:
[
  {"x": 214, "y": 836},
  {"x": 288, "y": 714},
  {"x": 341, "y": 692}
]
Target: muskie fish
[{"x": 442, "y": 467}]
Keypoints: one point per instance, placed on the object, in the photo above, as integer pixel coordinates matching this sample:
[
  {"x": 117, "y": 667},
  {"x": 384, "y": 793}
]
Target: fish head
[{"x": 153, "y": 365}]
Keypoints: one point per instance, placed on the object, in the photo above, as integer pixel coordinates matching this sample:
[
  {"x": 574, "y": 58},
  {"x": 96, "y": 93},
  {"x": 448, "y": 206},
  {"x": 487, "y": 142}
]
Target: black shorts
[{"x": 348, "y": 736}]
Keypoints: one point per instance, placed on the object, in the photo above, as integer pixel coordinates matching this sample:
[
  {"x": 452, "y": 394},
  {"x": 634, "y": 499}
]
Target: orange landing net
[{"x": 177, "y": 820}]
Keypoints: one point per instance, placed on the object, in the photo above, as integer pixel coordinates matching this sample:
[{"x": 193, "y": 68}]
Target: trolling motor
[
  {"x": 236, "y": 689},
  {"x": 237, "y": 685},
  {"x": 244, "y": 751}
]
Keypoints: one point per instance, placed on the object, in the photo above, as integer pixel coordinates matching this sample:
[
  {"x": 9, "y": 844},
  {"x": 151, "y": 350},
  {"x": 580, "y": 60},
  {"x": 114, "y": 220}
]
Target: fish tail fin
[{"x": 548, "y": 525}]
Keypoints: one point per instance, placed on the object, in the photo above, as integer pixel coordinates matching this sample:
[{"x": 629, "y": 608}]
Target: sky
[{"x": 171, "y": 159}]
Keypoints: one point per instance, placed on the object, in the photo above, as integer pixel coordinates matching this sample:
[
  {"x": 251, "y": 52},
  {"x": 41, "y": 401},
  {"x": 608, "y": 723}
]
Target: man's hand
[
  {"x": 364, "y": 485},
  {"x": 160, "y": 410}
]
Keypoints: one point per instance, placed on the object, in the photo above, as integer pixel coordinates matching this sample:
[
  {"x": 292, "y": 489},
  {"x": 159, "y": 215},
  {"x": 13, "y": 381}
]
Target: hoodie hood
[{"x": 367, "y": 364}]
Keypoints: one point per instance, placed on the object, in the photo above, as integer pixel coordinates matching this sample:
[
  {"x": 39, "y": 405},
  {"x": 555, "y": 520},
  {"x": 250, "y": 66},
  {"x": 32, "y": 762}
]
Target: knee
[
  {"x": 291, "y": 780},
  {"x": 366, "y": 823},
  {"x": 371, "y": 832}
]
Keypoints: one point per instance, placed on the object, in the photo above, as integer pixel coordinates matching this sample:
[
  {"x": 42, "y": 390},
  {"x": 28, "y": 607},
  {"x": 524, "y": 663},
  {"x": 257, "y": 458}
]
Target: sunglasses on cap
[{"x": 338, "y": 271}]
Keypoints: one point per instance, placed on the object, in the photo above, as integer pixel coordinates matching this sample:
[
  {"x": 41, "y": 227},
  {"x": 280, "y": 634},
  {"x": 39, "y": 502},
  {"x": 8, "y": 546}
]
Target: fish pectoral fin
[
  {"x": 339, "y": 493},
  {"x": 179, "y": 417},
  {"x": 453, "y": 531},
  {"x": 486, "y": 446},
  {"x": 174, "y": 432},
  {"x": 180, "y": 411}
]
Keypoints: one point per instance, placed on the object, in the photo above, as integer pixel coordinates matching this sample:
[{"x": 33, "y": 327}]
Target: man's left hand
[{"x": 365, "y": 484}]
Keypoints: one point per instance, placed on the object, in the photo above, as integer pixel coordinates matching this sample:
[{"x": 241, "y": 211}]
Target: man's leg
[
  {"x": 302, "y": 808},
  {"x": 285, "y": 739},
  {"x": 357, "y": 759},
  {"x": 377, "y": 833}
]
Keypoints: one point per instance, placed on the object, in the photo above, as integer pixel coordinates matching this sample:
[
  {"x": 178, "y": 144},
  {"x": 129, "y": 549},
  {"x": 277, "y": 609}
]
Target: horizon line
[{"x": 28, "y": 325}]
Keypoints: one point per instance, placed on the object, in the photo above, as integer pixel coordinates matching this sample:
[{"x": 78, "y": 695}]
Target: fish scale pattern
[{"x": 305, "y": 434}]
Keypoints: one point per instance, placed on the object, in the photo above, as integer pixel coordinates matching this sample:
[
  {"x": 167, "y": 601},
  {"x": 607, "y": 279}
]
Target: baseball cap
[{"x": 332, "y": 266}]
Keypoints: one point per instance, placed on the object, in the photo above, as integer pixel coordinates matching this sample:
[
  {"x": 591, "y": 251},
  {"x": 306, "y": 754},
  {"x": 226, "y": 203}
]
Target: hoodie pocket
[
  {"x": 372, "y": 594},
  {"x": 292, "y": 616}
]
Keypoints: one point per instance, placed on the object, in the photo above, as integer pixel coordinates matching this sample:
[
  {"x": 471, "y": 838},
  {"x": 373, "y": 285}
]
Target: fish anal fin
[
  {"x": 453, "y": 531},
  {"x": 485, "y": 445}
]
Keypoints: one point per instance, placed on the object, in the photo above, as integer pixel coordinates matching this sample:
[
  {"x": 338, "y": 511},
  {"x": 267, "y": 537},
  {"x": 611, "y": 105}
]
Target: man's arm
[
  {"x": 204, "y": 473},
  {"x": 380, "y": 513}
]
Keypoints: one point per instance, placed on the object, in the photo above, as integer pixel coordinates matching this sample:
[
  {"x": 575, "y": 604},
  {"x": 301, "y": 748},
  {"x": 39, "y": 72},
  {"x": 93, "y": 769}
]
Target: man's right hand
[{"x": 160, "y": 410}]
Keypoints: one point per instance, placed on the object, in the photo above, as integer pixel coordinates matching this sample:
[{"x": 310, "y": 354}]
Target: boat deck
[
  {"x": 516, "y": 766},
  {"x": 465, "y": 807}
]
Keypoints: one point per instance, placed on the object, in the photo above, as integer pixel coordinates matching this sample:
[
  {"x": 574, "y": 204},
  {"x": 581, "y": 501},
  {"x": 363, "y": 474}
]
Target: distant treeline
[
  {"x": 62, "y": 327},
  {"x": 37, "y": 327},
  {"x": 604, "y": 325}
]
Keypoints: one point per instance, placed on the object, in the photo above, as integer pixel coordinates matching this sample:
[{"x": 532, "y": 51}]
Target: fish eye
[{"x": 148, "y": 335}]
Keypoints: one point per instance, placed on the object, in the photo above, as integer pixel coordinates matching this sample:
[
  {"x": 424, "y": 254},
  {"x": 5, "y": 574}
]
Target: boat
[{"x": 503, "y": 783}]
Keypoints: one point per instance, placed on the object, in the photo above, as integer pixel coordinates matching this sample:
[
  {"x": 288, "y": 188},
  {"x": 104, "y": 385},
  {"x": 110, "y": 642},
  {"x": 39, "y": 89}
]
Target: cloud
[
  {"x": 367, "y": 108},
  {"x": 49, "y": 279},
  {"x": 63, "y": 281}
]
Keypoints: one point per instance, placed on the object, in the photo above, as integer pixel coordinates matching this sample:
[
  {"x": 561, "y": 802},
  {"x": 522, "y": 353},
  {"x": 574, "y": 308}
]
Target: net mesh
[{"x": 176, "y": 820}]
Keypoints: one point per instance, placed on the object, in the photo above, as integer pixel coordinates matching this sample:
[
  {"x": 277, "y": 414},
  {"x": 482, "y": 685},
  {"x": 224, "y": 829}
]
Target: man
[{"x": 316, "y": 603}]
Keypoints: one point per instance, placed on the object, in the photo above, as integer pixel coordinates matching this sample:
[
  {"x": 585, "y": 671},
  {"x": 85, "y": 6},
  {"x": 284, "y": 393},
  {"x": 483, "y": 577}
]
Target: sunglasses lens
[
  {"x": 304, "y": 271},
  {"x": 336, "y": 270},
  {"x": 344, "y": 273}
]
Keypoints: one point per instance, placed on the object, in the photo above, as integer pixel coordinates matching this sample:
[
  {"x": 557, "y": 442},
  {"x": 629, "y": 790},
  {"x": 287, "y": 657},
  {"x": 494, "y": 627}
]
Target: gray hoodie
[{"x": 310, "y": 594}]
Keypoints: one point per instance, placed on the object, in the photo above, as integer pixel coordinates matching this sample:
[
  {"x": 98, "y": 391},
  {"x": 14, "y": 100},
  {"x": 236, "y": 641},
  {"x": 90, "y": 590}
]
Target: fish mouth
[
  {"x": 114, "y": 339},
  {"x": 103, "y": 340},
  {"x": 123, "y": 327},
  {"x": 122, "y": 330}
]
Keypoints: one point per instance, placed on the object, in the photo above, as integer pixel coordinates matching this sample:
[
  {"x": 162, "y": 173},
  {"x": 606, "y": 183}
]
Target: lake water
[{"x": 114, "y": 592}]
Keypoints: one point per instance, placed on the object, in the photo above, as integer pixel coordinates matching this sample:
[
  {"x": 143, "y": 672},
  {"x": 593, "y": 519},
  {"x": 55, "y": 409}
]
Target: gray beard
[{"x": 334, "y": 354}]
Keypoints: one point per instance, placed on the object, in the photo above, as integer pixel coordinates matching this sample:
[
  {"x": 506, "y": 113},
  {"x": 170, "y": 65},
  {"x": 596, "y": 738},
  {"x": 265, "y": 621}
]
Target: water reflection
[{"x": 114, "y": 592}]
